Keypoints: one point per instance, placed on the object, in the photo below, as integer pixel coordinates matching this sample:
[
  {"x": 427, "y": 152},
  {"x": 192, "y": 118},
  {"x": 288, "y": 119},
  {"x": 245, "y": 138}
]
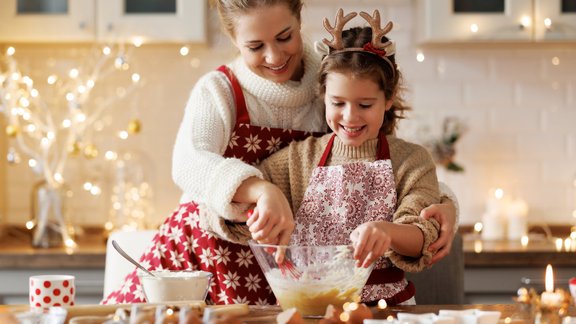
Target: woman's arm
[
  {"x": 198, "y": 165},
  {"x": 446, "y": 213}
]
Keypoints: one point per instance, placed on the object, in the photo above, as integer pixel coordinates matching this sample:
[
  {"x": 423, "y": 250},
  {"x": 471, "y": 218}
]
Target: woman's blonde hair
[{"x": 229, "y": 9}]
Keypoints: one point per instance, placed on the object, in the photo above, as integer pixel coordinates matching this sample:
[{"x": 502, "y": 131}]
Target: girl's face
[
  {"x": 270, "y": 43},
  {"x": 355, "y": 107}
]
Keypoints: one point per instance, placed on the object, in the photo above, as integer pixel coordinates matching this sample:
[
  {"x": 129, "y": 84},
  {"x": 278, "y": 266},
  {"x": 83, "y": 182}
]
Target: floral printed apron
[
  {"x": 181, "y": 244},
  {"x": 340, "y": 198}
]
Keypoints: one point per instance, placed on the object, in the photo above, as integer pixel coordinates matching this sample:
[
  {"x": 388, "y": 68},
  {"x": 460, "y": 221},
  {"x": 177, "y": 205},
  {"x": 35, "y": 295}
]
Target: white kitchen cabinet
[
  {"x": 102, "y": 20},
  {"x": 561, "y": 14},
  {"x": 496, "y": 20}
]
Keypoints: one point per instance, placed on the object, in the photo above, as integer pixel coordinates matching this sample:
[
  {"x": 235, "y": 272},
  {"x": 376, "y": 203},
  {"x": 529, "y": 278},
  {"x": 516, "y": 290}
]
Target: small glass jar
[{"x": 49, "y": 221}]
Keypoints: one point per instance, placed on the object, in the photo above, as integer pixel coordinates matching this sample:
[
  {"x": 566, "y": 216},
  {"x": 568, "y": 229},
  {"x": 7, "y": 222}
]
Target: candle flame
[{"x": 549, "y": 279}]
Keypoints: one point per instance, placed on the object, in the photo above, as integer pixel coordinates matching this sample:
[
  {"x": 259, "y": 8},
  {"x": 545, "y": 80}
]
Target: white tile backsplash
[{"x": 518, "y": 102}]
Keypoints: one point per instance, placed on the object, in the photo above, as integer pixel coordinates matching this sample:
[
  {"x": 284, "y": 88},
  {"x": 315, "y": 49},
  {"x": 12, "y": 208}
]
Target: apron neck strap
[
  {"x": 383, "y": 151},
  {"x": 241, "y": 110},
  {"x": 382, "y": 148},
  {"x": 327, "y": 151}
]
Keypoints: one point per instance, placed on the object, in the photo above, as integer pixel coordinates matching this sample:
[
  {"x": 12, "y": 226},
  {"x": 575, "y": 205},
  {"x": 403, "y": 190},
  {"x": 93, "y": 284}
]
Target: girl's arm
[
  {"x": 417, "y": 188},
  {"x": 371, "y": 240}
]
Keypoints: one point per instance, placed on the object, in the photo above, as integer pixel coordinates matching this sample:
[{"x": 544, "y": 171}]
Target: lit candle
[
  {"x": 494, "y": 218},
  {"x": 567, "y": 244},
  {"x": 524, "y": 241},
  {"x": 517, "y": 212},
  {"x": 559, "y": 243},
  {"x": 550, "y": 298}
]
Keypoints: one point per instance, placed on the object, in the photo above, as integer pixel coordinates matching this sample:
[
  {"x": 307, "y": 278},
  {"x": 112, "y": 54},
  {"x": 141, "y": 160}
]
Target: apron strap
[
  {"x": 326, "y": 151},
  {"x": 241, "y": 110},
  {"x": 383, "y": 149}
]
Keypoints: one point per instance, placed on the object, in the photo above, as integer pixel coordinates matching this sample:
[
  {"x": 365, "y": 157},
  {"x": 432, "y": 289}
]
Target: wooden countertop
[
  {"x": 16, "y": 252},
  {"x": 538, "y": 253},
  {"x": 267, "y": 314}
]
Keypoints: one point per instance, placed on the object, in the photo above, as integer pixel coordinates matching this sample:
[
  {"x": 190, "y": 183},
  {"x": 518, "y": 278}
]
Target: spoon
[{"x": 129, "y": 258}]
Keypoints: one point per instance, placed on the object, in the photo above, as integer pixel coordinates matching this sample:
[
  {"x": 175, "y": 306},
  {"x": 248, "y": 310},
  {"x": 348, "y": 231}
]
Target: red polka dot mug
[{"x": 52, "y": 290}]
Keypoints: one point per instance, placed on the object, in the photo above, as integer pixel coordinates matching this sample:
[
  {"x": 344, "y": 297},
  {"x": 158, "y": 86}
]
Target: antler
[
  {"x": 377, "y": 32},
  {"x": 336, "y": 31}
]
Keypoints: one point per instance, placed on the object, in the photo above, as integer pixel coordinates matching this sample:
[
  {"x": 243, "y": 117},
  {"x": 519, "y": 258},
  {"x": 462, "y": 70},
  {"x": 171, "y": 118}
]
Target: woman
[{"x": 272, "y": 102}]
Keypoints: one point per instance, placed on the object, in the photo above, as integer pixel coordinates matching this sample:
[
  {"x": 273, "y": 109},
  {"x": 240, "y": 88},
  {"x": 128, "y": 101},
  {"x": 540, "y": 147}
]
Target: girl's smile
[{"x": 355, "y": 107}]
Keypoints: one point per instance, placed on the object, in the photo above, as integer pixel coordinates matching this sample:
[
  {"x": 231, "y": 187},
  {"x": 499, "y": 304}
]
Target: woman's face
[
  {"x": 270, "y": 43},
  {"x": 355, "y": 107}
]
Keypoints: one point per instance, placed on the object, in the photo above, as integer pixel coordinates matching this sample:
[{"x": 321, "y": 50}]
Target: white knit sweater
[{"x": 198, "y": 165}]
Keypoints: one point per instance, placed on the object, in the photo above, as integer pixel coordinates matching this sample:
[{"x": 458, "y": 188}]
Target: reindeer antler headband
[{"x": 375, "y": 47}]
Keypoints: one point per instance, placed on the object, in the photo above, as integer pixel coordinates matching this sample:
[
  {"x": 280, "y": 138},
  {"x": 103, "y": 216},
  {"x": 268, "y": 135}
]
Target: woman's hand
[
  {"x": 271, "y": 221},
  {"x": 445, "y": 214},
  {"x": 370, "y": 242}
]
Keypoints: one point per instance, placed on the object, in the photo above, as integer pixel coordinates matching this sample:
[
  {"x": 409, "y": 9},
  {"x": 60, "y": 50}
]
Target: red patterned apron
[
  {"x": 340, "y": 198},
  {"x": 181, "y": 244}
]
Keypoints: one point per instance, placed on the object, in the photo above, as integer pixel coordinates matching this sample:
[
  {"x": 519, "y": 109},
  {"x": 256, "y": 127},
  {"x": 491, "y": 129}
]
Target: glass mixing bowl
[{"x": 310, "y": 278}]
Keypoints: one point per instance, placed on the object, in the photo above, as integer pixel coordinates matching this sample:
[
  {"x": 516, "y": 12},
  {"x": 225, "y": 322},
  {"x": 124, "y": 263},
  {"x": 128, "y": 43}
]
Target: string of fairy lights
[{"x": 50, "y": 121}]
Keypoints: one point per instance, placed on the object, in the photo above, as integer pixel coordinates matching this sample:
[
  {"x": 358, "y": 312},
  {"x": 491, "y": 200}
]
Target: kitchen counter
[
  {"x": 493, "y": 270},
  {"x": 19, "y": 260},
  {"x": 17, "y": 252},
  {"x": 538, "y": 253}
]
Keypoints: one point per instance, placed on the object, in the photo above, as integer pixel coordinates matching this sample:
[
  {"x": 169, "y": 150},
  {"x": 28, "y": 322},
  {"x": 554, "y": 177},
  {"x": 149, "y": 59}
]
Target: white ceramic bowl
[{"x": 175, "y": 285}]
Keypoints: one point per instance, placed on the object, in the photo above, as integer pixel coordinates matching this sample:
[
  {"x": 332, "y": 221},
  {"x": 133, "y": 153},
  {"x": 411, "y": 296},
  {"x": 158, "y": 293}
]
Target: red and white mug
[{"x": 52, "y": 290}]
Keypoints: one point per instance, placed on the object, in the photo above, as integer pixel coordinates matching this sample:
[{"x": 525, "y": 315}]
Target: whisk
[{"x": 285, "y": 265}]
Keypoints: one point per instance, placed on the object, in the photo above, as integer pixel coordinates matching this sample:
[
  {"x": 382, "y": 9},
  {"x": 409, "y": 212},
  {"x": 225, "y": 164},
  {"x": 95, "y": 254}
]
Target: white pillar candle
[
  {"x": 493, "y": 226},
  {"x": 517, "y": 213},
  {"x": 494, "y": 218}
]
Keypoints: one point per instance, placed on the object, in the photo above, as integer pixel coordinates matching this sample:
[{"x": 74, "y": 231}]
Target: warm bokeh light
[
  {"x": 474, "y": 28},
  {"x": 526, "y": 21},
  {"x": 524, "y": 240},
  {"x": 420, "y": 57}
]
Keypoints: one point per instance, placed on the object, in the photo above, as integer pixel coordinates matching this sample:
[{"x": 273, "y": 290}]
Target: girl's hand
[
  {"x": 271, "y": 221},
  {"x": 370, "y": 242}
]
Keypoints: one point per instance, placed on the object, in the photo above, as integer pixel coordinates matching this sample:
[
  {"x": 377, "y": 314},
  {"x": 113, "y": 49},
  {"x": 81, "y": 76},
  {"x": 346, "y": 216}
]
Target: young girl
[{"x": 361, "y": 183}]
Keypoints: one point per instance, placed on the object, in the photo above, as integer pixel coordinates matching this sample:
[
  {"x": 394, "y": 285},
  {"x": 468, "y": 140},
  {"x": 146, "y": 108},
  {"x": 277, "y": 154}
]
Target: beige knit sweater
[{"x": 291, "y": 168}]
